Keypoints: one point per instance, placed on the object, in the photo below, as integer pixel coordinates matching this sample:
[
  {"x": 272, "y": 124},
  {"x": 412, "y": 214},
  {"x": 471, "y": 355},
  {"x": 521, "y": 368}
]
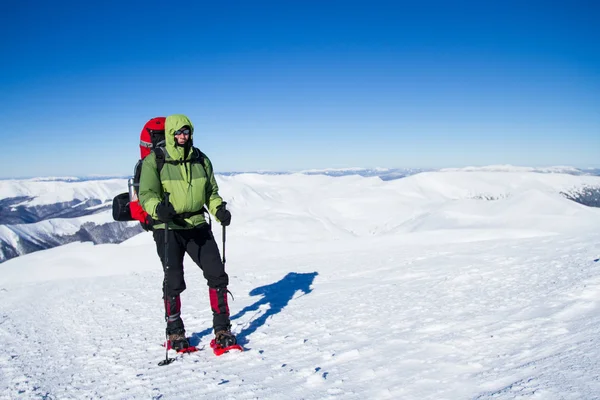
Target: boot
[
  {"x": 225, "y": 339},
  {"x": 178, "y": 341}
]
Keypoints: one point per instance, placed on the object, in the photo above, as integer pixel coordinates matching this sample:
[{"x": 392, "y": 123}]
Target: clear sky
[{"x": 286, "y": 85}]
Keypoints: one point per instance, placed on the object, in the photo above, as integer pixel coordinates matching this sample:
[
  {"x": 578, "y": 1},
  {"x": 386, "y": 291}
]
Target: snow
[
  {"x": 39, "y": 232},
  {"x": 66, "y": 226},
  {"x": 348, "y": 170},
  {"x": 50, "y": 191},
  {"x": 514, "y": 168},
  {"x": 346, "y": 287}
]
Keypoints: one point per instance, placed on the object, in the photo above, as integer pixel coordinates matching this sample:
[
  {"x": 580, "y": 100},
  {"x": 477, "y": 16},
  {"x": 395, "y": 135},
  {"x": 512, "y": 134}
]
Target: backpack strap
[
  {"x": 199, "y": 157},
  {"x": 160, "y": 158},
  {"x": 137, "y": 172}
]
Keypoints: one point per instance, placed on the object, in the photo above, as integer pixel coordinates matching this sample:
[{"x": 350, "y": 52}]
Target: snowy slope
[
  {"x": 515, "y": 168},
  {"x": 37, "y": 214},
  {"x": 421, "y": 288},
  {"x": 43, "y": 213},
  {"x": 299, "y": 207},
  {"x": 54, "y": 190},
  {"x": 98, "y": 228}
]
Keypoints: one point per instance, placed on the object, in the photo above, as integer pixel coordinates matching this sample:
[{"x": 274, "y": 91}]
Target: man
[{"x": 187, "y": 175}]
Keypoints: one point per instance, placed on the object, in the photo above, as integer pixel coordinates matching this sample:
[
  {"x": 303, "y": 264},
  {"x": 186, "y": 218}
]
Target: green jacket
[{"x": 191, "y": 185}]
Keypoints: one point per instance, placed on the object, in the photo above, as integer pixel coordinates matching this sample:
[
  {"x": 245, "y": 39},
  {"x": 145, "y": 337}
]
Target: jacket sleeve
[
  {"x": 213, "y": 200},
  {"x": 151, "y": 192}
]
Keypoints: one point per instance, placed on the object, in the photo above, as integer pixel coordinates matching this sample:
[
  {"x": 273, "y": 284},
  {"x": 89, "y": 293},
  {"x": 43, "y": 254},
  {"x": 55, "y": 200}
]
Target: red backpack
[{"x": 126, "y": 206}]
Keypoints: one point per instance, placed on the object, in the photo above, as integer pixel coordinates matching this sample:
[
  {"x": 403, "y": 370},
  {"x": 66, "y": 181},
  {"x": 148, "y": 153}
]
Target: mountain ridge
[{"x": 39, "y": 214}]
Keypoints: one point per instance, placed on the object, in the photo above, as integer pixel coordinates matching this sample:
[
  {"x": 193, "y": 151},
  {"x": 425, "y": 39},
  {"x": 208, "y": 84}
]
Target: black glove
[
  {"x": 148, "y": 223},
  {"x": 165, "y": 212},
  {"x": 223, "y": 215}
]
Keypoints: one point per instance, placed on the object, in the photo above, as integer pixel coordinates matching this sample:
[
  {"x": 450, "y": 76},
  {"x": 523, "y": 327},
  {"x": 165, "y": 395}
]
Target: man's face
[{"x": 183, "y": 135}]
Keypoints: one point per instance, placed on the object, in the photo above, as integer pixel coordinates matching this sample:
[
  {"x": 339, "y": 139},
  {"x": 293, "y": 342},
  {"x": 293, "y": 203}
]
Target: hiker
[{"x": 184, "y": 172}]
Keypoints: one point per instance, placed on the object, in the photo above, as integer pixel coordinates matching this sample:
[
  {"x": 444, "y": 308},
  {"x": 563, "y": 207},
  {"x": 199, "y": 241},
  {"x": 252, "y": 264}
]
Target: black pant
[{"x": 200, "y": 244}]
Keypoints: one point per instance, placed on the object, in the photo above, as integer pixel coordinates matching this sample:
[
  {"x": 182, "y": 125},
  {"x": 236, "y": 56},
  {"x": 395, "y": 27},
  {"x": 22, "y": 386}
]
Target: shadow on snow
[{"x": 276, "y": 295}]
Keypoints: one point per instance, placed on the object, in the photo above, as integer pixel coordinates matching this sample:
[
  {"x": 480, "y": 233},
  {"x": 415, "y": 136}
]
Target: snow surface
[
  {"x": 442, "y": 285},
  {"x": 514, "y": 168},
  {"x": 50, "y": 190},
  {"x": 64, "y": 226}
]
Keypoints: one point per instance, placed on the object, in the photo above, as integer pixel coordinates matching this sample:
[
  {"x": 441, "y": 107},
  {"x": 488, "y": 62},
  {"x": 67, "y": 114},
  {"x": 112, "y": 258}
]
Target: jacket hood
[{"x": 172, "y": 124}]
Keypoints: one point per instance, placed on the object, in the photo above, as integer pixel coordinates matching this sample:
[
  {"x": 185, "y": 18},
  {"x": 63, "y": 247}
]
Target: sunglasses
[{"x": 183, "y": 131}]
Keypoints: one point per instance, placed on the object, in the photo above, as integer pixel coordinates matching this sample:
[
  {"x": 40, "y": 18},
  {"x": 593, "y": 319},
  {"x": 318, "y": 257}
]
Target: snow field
[
  {"x": 344, "y": 287},
  {"x": 506, "y": 318}
]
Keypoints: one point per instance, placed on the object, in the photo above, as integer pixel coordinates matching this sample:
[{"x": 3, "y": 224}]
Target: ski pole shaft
[
  {"x": 166, "y": 248},
  {"x": 224, "y": 235},
  {"x": 224, "y": 204},
  {"x": 167, "y": 360}
]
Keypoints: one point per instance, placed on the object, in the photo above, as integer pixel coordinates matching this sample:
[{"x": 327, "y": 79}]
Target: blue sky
[{"x": 293, "y": 85}]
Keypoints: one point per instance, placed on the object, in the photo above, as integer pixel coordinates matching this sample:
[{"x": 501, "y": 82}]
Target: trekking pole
[
  {"x": 167, "y": 360},
  {"x": 224, "y": 234},
  {"x": 223, "y": 246}
]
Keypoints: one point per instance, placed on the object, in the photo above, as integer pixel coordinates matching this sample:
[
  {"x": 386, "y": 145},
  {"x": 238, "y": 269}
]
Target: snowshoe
[
  {"x": 179, "y": 343},
  {"x": 224, "y": 342}
]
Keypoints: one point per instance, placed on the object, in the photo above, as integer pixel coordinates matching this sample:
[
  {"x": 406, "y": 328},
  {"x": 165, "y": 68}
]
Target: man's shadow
[{"x": 276, "y": 295}]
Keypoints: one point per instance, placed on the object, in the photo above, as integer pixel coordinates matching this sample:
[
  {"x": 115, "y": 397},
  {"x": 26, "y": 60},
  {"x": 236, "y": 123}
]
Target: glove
[
  {"x": 223, "y": 215},
  {"x": 148, "y": 223},
  {"x": 165, "y": 212}
]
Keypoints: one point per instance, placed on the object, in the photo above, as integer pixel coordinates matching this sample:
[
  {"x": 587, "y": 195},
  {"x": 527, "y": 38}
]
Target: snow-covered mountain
[
  {"x": 42, "y": 213},
  {"x": 454, "y": 284},
  {"x": 384, "y": 174},
  {"x": 513, "y": 168},
  {"x": 387, "y": 174}
]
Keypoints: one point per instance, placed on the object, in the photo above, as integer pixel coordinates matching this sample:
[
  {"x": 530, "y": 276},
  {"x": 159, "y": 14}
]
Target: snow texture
[
  {"x": 442, "y": 285},
  {"x": 37, "y": 214}
]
